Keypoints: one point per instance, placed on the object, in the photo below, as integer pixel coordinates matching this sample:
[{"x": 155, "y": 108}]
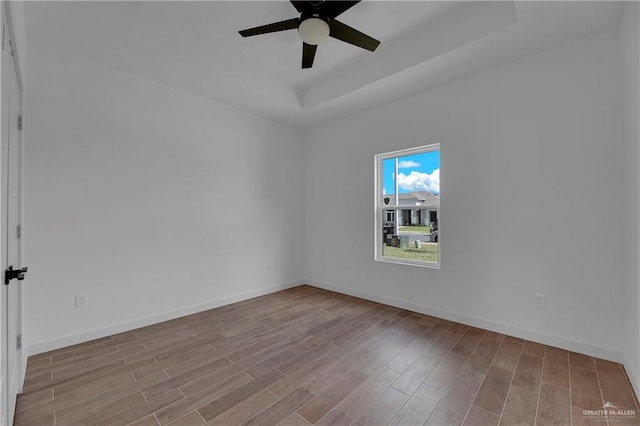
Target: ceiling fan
[{"x": 318, "y": 21}]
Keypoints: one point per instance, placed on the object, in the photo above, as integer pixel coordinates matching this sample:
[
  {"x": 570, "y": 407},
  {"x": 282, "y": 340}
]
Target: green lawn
[
  {"x": 415, "y": 229},
  {"x": 428, "y": 252}
]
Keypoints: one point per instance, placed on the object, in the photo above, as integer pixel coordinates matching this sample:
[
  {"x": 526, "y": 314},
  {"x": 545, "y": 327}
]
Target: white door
[{"x": 10, "y": 208}]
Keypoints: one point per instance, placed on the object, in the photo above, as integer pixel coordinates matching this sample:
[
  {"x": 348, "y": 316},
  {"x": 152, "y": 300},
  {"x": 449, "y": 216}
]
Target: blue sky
[{"x": 418, "y": 172}]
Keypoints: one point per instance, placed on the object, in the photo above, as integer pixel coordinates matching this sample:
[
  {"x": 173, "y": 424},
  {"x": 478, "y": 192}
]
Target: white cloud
[
  {"x": 417, "y": 181},
  {"x": 384, "y": 191},
  {"x": 407, "y": 164}
]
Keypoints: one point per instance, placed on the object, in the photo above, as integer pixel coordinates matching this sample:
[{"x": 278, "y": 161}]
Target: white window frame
[{"x": 380, "y": 206}]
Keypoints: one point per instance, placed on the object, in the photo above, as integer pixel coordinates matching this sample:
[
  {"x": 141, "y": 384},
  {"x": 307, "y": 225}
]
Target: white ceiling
[{"x": 195, "y": 46}]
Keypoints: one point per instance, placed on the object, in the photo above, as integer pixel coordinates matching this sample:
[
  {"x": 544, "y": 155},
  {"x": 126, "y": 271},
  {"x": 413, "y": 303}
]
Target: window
[
  {"x": 391, "y": 215},
  {"x": 407, "y": 206}
]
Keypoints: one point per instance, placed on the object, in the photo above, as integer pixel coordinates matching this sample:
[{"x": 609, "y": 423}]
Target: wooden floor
[{"x": 310, "y": 356}]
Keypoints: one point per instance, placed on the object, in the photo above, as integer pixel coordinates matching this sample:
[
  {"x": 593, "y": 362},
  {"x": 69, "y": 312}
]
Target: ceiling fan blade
[
  {"x": 334, "y": 8},
  {"x": 289, "y": 24},
  {"x": 352, "y": 36},
  {"x": 308, "y": 53},
  {"x": 302, "y": 6}
]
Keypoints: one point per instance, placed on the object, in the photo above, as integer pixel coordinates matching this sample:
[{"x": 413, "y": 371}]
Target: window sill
[{"x": 407, "y": 262}]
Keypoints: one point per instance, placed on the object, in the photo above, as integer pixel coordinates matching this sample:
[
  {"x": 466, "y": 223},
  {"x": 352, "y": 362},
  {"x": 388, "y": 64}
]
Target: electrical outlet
[
  {"x": 82, "y": 300},
  {"x": 541, "y": 300}
]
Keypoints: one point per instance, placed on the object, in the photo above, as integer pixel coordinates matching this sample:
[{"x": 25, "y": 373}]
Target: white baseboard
[
  {"x": 632, "y": 372},
  {"x": 534, "y": 336},
  {"x": 49, "y": 345}
]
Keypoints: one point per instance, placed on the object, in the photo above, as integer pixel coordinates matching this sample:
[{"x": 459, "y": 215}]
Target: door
[
  {"x": 433, "y": 219},
  {"x": 10, "y": 208}
]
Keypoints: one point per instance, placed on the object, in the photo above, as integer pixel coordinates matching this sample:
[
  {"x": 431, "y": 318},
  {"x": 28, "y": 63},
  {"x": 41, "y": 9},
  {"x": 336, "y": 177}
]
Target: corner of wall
[
  {"x": 49, "y": 345},
  {"x": 532, "y": 335},
  {"x": 630, "y": 61}
]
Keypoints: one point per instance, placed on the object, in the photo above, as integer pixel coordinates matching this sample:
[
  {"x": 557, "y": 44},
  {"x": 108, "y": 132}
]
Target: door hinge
[
  {"x": 19, "y": 231},
  {"x": 19, "y": 341},
  {"x": 20, "y": 122}
]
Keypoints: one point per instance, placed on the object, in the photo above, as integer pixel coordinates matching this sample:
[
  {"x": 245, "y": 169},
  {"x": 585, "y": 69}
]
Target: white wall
[
  {"x": 150, "y": 200},
  {"x": 629, "y": 37},
  {"x": 531, "y": 198}
]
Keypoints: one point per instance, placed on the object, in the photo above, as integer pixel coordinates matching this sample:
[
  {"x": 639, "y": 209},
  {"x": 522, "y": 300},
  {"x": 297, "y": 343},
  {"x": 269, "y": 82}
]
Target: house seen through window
[{"x": 408, "y": 206}]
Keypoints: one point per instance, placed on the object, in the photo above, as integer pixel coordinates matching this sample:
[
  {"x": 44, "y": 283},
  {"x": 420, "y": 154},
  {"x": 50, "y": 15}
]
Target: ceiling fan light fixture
[
  {"x": 316, "y": 22},
  {"x": 313, "y": 30}
]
